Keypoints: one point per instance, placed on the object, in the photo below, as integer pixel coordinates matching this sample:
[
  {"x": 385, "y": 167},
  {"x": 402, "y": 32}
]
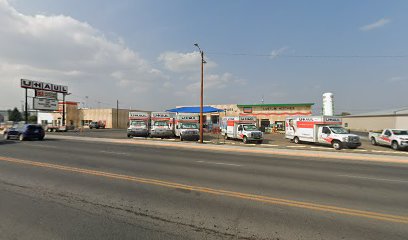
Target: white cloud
[
  {"x": 217, "y": 81},
  {"x": 183, "y": 62},
  {"x": 277, "y": 52},
  {"x": 61, "y": 49},
  {"x": 397, "y": 79},
  {"x": 377, "y": 24}
]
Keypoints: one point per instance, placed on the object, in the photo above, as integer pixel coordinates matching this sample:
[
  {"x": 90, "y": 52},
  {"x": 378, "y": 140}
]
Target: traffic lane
[
  {"x": 25, "y": 215},
  {"x": 198, "y": 211},
  {"x": 355, "y": 185}
]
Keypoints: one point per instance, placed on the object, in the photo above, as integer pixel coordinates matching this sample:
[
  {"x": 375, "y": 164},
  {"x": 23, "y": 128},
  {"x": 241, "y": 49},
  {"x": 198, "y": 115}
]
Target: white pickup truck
[{"x": 396, "y": 138}]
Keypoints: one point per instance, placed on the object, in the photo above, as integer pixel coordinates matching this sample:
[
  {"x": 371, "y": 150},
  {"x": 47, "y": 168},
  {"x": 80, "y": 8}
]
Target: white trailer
[
  {"x": 162, "y": 124},
  {"x": 186, "y": 126},
  {"x": 138, "y": 124},
  {"x": 320, "y": 129},
  {"x": 242, "y": 127}
]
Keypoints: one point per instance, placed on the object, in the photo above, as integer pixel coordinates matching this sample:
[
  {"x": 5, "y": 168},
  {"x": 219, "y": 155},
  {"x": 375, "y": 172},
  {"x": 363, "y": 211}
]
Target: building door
[
  {"x": 280, "y": 125},
  {"x": 265, "y": 123}
]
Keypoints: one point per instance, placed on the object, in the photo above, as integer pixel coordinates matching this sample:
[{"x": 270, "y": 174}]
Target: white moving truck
[
  {"x": 162, "y": 124},
  {"x": 320, "y": 129},
  {"x": 396, "y": 138},
  {"x": 138, "y": 124},
  {"x": 242, "y": 127},
  {"x": 186, "y": 127}
]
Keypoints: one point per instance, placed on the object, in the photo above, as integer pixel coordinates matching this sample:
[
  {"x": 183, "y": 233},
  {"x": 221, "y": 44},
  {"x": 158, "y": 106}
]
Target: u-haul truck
[
  {"x": 242, "y": 127},
  {"x": 187, "y": 127},
  {"x": 162, "y": 124},
  {"x": 320, "y": 129},
  {"x": 138, "y": 124}
]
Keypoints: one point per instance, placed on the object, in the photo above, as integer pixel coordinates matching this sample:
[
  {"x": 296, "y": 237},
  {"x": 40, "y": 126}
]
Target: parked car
[
  {"x": 96, "y": 125},
  {"x": 25, "y": 132},
  {"x": 396, "y": 138}
]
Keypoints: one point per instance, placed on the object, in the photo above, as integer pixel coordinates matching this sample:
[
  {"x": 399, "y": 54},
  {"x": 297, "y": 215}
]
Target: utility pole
[
  {"x": 202, "y": 92},
  {"x": 117, "y": 113}
]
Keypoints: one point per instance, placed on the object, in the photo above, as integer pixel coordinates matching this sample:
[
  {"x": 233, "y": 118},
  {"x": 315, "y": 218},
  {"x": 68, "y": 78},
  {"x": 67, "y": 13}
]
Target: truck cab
[
  {"x": 162, "y": 124},
  {"x": 138, "y": 124},
  {"x": 186, "y": 127},
  {"x": 337, "y": 136}
]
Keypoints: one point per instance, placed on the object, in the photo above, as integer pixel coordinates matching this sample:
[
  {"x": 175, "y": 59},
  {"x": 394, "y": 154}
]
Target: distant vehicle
[
  {"x": 162, "y": 124},
  {"x": 242, "y": 127},
  {"x": 396, "y": 138},
  {"x": 97, "y": 125},
  {"x": 52, "y": 128},
  {"x": 138, "y": 124},
  {"x": 187, "y": 127},
  {"x": 320, "y": 129},
  {"x": 25, "y": 132}
]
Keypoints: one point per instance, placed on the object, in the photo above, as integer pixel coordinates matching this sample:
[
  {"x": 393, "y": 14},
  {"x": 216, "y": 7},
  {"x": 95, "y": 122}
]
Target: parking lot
[{"x": 274, "y": 140}]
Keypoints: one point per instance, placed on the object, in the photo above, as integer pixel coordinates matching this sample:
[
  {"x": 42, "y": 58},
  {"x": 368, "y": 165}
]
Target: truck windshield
[
  {"x": 250, "y": 128},
  {"x": 189, "y": 126},
  {"x": 339, "y": 130},
  {"x": 161, "y": 124},
  {"x": 137, "y": 124},
  {"x": 400, "y": 132}
]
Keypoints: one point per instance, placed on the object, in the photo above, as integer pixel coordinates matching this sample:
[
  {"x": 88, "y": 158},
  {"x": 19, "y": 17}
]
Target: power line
[{"x": 306, "y": 56}]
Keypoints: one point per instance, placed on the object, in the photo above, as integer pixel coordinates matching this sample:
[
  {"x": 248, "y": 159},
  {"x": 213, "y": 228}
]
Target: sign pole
[
  {"x": 63, "y": 109},
  {"x": 26, "y": 106}
]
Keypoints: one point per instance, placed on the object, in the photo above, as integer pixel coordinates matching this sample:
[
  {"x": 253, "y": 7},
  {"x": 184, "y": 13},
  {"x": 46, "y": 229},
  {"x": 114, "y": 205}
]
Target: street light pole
[{"x": 202, "y": 93}]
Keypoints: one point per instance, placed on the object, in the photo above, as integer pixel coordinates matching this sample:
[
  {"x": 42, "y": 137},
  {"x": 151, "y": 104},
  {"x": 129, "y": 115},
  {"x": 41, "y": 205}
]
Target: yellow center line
[{"x": 219, "y": 192}]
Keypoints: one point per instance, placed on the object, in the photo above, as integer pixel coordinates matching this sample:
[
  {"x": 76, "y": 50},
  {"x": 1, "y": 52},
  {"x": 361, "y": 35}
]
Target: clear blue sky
[{"x": 287, "y": 28}]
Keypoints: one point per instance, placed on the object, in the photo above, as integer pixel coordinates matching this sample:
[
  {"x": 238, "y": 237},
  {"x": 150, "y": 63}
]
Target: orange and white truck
[
  {"x": 186, "y": 126},
  {"x": 138, "y": 124},
  {"x": 162, "y": 124},
  {"x": 320, "y": 129},
  {"x": 242, "y": 127}
]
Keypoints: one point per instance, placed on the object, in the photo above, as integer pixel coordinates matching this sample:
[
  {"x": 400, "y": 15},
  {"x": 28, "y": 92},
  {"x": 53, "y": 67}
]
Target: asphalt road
[{"x": 60, "y": 189}]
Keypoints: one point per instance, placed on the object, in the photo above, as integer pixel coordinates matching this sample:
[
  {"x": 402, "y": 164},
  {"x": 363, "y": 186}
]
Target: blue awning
[{"x": 206, "y": 109}]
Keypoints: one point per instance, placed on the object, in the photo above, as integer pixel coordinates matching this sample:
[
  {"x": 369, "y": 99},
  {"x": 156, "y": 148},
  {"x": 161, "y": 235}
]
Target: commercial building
[
  {"x": 268, "y": 115},
  {"x": 392, "y": 118},
  {"x": 77, "y": 117}
]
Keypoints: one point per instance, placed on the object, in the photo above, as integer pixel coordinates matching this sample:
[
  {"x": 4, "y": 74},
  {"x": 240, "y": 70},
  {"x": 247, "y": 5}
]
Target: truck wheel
[
  {"x": 373, "y": 142},
  {"x": 296, "y": 140},
  {"x": 21, "y": 137},
  {"x": 128, "y": 135},
  {"x": 395, "y": 145},
  {"x": 260, "y": 141},
  {"x": 336, "y": 145},
  {"x": 245, "y": 140},
  {"x": 226, "y": 137}
]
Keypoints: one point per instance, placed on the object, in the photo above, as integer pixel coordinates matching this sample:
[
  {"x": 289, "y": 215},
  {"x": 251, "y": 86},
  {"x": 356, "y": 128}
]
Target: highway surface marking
[
  {"x": 39, "y": 145},
  {"x": 219, "y": 163},
  {"x": 373, "y": 178},
  {"x": 270, "y": 145},
  {"x": 118, "y": 153},
  {"x": 219, "y": 192},
  {"x": 296, "y": 146}
]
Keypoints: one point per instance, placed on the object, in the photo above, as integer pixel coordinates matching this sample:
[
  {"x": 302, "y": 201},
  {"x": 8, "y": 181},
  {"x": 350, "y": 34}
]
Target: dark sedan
[{"x": 25, "y": 132}]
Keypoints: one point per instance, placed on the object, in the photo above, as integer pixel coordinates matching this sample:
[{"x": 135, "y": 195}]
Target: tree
[
  {"x": 32, "y": 119},
  {"x": 15, "y": 115}
]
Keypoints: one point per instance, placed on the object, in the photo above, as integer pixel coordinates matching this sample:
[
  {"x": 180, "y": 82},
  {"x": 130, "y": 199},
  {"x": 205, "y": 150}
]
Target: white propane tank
[{"x": 328, "y": 104}]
